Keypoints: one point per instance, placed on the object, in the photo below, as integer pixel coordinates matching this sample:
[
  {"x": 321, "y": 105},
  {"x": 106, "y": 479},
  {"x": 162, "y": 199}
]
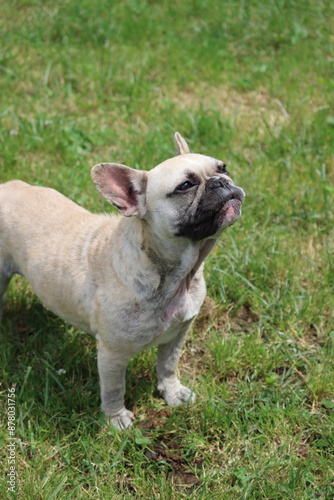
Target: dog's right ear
[
  {"x": 182, "y": 147},
  {"x": 122, "y": 186}
]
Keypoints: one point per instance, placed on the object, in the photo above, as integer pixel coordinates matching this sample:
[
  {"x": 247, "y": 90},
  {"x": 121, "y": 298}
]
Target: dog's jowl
[{"x": 133, "y": 281}]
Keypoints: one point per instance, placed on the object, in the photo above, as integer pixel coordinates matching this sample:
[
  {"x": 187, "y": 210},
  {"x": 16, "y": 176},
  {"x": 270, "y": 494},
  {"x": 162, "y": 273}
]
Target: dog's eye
[
  {"x": 221, "y": 169},
  {"x": 185, "y": 186}
]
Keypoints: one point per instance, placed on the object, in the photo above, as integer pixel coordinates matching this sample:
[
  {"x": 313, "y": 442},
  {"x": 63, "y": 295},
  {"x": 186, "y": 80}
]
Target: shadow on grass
[{"x": 54, "y": 368}]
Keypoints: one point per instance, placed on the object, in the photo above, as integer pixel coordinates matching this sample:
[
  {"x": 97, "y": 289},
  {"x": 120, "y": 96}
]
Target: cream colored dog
[{"x": 134, "y": 281}]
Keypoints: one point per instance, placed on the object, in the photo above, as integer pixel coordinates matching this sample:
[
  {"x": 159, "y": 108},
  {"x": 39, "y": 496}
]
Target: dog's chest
[
  {"x": 183, "y": 306},
  {"x": 146, "y": 328},
  {"x": 143, "y": 323}
]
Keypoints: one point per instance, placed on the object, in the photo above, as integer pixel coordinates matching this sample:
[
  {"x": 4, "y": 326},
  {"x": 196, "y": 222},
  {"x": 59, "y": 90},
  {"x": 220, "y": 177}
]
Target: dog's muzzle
[{"x": 219, "y": 207}]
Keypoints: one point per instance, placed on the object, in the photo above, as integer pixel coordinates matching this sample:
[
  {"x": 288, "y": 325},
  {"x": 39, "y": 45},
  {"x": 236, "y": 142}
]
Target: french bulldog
[{"x": 134, "y": 281}]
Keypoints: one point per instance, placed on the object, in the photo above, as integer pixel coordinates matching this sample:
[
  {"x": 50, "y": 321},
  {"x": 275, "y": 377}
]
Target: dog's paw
[
  {"x": 179, "y": 396},
  {"x": 122, "y": 420}
]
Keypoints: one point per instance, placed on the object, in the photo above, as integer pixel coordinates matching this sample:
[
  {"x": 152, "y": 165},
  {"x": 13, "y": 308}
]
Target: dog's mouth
[
  {"x": 215, "y": 220},
  {"x": 229, "y": 212}
]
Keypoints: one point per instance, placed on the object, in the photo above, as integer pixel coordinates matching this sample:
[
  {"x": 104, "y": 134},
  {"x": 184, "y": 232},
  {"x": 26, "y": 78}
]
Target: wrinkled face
[{"x": 192, "y": 196}]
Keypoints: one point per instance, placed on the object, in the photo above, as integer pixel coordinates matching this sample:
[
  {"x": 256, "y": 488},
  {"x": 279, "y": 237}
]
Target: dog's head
[{"x": 189, "y": 196}]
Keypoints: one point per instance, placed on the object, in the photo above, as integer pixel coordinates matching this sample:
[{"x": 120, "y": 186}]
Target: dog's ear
[
  {"x": 122, "y": 186},
  {"x": 182, "y": 147}
]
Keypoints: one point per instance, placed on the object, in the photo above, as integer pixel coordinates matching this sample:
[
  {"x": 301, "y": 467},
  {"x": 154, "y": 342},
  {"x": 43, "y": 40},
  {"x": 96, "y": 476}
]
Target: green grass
[{"x": 252, "y": 84}]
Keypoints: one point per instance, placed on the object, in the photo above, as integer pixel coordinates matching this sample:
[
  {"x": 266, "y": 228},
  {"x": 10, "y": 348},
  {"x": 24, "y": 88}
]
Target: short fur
[{"x": 134, "y": 281}]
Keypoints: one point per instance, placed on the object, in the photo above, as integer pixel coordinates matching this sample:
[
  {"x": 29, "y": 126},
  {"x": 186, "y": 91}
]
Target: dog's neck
[
  {"x": 182, "y": 258},
  {"x": 179, "y": 266},
  {"x": 162, "y": 268}
]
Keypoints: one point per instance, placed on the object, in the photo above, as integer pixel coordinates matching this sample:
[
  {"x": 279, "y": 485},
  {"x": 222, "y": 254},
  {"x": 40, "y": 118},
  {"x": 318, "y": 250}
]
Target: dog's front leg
[
  {"x": 112, "y": 368},
  {"x": 173, "y": 392}
]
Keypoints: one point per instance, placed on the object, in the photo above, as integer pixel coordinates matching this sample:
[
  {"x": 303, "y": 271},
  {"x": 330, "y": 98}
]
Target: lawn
[{"x": 251, "y": 83}]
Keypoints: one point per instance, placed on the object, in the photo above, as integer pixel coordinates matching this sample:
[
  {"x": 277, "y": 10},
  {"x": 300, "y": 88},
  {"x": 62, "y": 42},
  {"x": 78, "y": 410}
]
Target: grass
[{"x": 250, "y": 83}]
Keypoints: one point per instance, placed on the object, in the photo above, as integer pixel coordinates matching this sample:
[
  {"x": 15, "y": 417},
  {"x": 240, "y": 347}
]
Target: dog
[{"x": 134, "y": 281}]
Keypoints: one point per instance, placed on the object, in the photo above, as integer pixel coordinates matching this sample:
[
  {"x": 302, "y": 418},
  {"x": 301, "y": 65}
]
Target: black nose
[
  {"x": 224, "y": 189},
  {"x": 216, "y": 183}
]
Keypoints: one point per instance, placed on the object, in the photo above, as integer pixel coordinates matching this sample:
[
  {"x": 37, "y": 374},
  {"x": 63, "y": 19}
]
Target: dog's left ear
[
  {"x": 182, "y": 147},
  {"x": 122, "y": 186}
]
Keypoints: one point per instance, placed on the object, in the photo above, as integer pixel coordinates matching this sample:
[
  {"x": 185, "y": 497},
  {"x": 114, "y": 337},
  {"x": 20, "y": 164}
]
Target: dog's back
[{"x": 41, "y": 234}]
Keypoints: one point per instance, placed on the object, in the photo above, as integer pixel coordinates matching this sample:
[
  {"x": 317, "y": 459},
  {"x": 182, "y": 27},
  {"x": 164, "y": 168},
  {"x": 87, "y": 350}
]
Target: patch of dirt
[
  {"x": 167, "y": 449},
  {"x": 156, "y": 418},
  {"x": 180, "y": 475},
  {"x": 224, "y": 319},
  {"x": 228, "y": 99},
  {"x": 244, "y": 107},
  {"x": 245, "y": 317}
]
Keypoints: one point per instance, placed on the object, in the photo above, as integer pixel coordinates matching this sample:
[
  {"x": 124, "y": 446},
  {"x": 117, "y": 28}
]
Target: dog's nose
[
  {"x": 218, "y": 182},
  {"x": 227, "y": 190}
]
